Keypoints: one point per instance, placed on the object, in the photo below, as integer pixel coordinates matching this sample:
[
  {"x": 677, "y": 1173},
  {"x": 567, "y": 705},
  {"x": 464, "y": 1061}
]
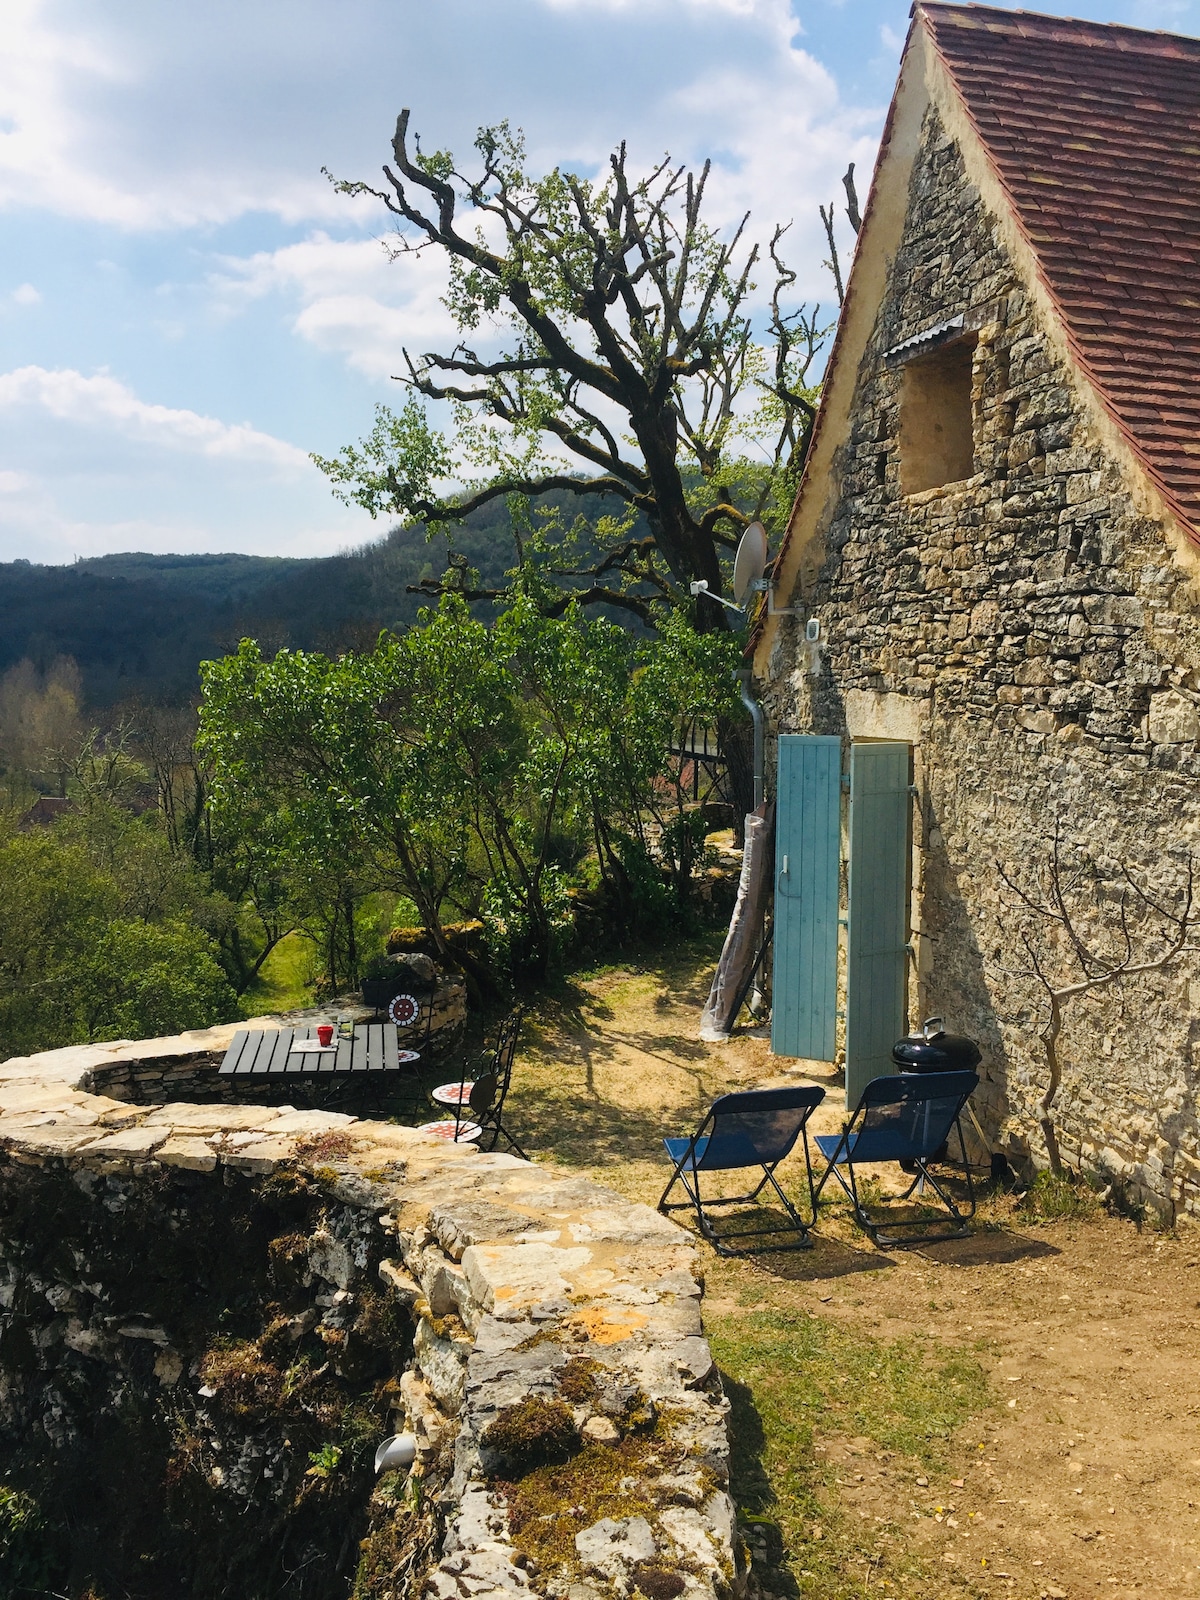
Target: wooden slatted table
[{"x": 373, "y": 1049}]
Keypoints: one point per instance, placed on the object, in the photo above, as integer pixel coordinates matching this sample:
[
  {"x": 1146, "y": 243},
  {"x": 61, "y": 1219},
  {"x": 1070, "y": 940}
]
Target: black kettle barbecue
[{"x": 935, "y": 1050}]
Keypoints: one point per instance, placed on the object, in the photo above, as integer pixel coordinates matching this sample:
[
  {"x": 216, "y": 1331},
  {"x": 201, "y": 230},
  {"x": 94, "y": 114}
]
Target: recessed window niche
[{"x": 937, "y": 443}]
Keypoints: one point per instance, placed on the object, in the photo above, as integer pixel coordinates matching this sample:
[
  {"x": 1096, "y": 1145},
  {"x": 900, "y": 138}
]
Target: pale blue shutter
[
  {"x": 877, "y": 964},
  {"x": 807, "y": 849}
]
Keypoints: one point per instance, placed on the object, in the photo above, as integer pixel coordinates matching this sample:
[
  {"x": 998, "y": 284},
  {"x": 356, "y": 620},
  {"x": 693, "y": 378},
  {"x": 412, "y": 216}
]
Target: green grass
[
  {"x": 1067, "y": 1196},
  {"x": 285, "y": 982},
  {"x": 793, "y": 1379}
]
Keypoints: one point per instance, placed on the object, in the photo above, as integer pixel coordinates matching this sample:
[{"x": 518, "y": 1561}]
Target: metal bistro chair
[
  {"x": 478, "y": 1103},
  {"x": 907, "y": 1119},
  {"x": 754, "y": 1129}
]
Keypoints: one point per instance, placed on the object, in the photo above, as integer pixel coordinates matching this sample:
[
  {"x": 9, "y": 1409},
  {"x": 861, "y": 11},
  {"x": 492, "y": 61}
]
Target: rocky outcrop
[{"x": 258, "y": 1295}]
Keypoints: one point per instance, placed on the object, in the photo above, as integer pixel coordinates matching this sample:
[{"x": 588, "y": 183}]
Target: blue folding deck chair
[
  {"x": 909, "y": 1119},
  {"x": 757, "y": 1128}
]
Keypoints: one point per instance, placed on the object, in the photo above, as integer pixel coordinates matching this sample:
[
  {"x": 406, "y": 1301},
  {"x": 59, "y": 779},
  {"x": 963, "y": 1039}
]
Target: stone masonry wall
[
  {"x": 209, "y": 1275},
  {"x": 1048, "y": 639}
]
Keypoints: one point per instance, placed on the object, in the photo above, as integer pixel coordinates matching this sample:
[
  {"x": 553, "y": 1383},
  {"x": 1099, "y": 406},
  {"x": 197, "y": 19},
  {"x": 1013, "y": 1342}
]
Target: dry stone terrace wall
[
  {"x": 1039, "y": 636},
  {"x": 445, "y": 1292}
]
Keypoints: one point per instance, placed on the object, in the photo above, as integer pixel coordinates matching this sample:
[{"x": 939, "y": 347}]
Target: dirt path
[{"x": 1072, "y": 1468}]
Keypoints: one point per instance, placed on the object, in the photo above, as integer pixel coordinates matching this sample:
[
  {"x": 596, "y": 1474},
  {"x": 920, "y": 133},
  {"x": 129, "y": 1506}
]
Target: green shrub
[
  {"x": 142, "y": 980},
  {"x": 26, "y": 1562}
]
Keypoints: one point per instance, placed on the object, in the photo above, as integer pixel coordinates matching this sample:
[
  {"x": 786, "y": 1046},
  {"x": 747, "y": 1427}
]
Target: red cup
[{"x": 325, "y": 1034}]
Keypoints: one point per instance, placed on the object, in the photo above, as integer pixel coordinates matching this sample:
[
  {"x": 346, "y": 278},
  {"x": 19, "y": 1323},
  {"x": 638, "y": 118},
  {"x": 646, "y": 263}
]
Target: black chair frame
[
  {"x": 873, "y": 1226},
  {"x": 688, "y": 1174},
  {"x": 489, "y": 1091}
]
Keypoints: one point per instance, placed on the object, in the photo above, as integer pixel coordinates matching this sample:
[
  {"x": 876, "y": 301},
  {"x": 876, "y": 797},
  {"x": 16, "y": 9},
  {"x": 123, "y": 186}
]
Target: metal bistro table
[{"x": 369, "y": 1059}]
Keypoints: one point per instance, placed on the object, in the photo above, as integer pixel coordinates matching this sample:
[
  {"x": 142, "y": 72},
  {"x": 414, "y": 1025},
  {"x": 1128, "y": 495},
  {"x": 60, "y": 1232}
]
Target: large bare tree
[{"x": 611, "y": 347}]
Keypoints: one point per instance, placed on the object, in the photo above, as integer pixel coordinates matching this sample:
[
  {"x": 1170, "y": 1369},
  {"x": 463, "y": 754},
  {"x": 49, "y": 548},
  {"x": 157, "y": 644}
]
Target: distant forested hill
[{"x": 138, "y": 625}]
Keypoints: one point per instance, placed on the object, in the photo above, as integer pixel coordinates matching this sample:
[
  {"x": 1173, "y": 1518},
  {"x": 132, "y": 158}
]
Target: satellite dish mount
[{"x": 749, "y": 565}]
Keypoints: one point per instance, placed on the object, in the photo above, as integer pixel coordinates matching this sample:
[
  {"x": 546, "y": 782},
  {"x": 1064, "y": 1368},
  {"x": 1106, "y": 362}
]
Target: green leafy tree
[
  {"x": 251, "y": 906},
  {"x": 302, "y": 752},
  {"x": 52, "y": 900},
  {"x": 466, "y": 766},
  {"x": 73, "y": 968},
  {"x": 142, "y": 980}
]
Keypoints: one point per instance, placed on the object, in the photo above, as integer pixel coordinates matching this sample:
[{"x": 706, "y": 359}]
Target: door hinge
[{"x": 846, "y": 781}]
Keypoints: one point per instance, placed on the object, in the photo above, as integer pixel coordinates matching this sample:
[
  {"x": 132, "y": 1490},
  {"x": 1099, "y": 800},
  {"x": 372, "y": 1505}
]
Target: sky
[{"x": 188, "y": 309}]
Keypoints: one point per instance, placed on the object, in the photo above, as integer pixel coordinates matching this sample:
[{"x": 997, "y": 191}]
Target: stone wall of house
[
  {"x": 210, "y": 1315},
  {"x": 1048, "y": 640}
]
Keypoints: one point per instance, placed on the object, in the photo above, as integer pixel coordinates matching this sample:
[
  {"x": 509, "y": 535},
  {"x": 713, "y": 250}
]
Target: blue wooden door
[
  {"x": 877, "y": 958},
  {"x": 808, "y": 810}
]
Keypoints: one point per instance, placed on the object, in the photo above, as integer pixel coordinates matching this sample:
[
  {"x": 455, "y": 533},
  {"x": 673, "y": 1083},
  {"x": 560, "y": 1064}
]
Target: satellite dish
[{"x": 751, "y": 560}]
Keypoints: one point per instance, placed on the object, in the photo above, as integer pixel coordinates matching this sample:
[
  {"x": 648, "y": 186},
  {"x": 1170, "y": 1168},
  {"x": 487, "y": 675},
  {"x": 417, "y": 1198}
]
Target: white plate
[{"x": 311, "y": 1047}]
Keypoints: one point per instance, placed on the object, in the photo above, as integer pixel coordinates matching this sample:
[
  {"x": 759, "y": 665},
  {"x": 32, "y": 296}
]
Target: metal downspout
[{"x": 745, "y": 679}]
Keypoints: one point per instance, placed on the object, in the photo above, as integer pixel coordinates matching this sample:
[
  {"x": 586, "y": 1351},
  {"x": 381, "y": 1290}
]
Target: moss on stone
[
  {"x": 532, "y": 1433},
  {"x": 657, "y": 1582},
  {"x": 247, "y": 1384},
  {"x": 547, "y": 1335},
  {"x": 549, "y": 1505},
  {"x": 577, "y": 1380}
]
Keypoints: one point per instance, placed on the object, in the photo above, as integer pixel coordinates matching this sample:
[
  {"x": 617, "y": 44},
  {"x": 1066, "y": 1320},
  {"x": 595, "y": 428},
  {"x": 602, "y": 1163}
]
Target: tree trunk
[
  {"x": 351, "y": 941},
  {"x": 1050, "y": 1044}
]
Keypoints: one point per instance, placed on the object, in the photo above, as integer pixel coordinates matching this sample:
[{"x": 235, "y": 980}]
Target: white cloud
[
  {"x": 780, "y": 139},
  {"x": 771, "y": 10},
  {"x": 777, "y": 132},
  {"x": 86, "y": 466},
  {"x": 44, "y": 121},
  {"x": 69, "y": 396},
  {"x": 110, "y": 115},
  {"x": 37, "y": 529},
  {"x": 891, "y": 41},
  {"x": 352, "y": 300},
  {"x": 177, "y": 121},
  {"x": 153, "y": 117}
]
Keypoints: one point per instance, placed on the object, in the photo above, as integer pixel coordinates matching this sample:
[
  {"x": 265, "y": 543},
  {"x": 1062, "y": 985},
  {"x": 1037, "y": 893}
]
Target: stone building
[{"x": 996, "y": 541}]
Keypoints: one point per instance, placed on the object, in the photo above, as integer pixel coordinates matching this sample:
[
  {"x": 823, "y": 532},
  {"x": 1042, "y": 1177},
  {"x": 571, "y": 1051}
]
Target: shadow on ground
[{"x": 994, "y": 1248}]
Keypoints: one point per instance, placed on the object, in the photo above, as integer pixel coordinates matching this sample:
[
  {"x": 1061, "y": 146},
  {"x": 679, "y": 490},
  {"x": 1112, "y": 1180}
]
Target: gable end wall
[{"x": 1034, "y": 626}]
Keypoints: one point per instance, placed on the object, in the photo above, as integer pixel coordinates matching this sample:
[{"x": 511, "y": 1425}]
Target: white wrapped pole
[{"x": 745, "y": 927}]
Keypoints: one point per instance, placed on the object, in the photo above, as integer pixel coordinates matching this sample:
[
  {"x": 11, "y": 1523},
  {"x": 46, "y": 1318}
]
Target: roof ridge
[{"x": 1075, "y": 30}]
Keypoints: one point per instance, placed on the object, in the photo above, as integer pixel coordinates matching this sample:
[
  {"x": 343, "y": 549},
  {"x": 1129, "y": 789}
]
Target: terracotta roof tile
[{"x": 1094, "y": 131}]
